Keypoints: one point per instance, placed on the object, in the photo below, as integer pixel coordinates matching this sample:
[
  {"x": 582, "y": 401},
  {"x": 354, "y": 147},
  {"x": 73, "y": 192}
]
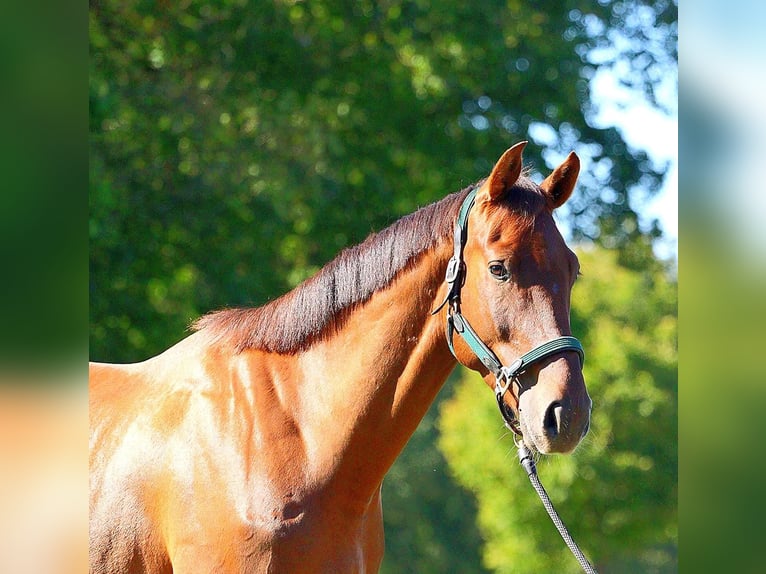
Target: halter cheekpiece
[{"x": 456, "y": 322}]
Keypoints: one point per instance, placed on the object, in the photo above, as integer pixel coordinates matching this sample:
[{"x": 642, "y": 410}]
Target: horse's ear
[
  {"x": 559, "y": 185},
  {"x": 504, "y": 174}
]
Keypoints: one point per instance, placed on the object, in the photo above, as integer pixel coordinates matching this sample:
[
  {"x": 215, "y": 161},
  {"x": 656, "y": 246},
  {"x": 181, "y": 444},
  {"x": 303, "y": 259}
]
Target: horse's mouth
[{"x": 528, "y": 438}]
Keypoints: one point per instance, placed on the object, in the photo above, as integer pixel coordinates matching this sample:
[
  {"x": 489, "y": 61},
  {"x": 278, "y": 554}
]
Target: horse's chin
[{"x": 532, "y": 442}]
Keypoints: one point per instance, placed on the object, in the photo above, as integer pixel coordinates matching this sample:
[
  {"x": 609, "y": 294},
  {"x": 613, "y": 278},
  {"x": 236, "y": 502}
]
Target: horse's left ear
[
  {"x": 559, "y": 185},
  {"x": 504, "y": 174}
]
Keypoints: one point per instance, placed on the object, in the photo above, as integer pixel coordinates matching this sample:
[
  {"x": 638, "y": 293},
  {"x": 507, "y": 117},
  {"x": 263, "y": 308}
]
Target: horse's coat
[{"x": 259, "y": 443}]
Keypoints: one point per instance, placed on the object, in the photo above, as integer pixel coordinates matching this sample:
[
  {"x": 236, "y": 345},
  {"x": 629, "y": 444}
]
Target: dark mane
[{"x": 295, "y": 320}]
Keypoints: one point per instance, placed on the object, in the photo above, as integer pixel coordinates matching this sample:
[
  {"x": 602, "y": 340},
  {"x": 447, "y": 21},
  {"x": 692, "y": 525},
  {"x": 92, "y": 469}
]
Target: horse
[{"x": 259, "y": 442}]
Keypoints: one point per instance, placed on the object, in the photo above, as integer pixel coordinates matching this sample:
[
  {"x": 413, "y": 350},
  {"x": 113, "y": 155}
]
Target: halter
[{"x": 456, "y": 322}]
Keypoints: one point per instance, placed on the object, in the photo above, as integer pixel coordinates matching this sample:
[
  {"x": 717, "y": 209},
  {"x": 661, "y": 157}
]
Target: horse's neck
[{"x": 368, "y": 385}]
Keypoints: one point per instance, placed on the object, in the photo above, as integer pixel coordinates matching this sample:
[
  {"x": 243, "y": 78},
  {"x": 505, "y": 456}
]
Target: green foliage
[
  {"x": 235, "y": 147},
  {"x": 430, "y": 521},
  {"x": 618, "y": 492}
]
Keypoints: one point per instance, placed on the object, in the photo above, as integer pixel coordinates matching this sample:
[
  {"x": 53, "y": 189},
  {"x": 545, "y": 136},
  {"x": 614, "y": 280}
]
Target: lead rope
[{"x": 526, "y": 460}]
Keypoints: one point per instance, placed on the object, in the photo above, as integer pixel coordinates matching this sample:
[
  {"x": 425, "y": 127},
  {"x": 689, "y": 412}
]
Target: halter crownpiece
[{"x": 456, "y": 322}]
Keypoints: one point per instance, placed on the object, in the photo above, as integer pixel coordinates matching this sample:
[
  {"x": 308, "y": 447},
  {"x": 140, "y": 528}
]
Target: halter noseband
[{"x": 456, "y": 322}]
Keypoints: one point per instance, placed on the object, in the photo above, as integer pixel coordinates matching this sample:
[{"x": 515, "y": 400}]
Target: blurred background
[
  {"x": 723, "y": 262},
  {"x": 235, "y": 147}
]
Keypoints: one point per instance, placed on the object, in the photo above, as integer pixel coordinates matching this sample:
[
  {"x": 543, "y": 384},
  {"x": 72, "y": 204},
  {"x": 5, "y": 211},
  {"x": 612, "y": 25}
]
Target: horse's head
[{"x": 518, "y": 279}]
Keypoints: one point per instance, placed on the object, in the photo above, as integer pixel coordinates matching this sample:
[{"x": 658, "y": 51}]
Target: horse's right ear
[{"x": 504, "y": 174}]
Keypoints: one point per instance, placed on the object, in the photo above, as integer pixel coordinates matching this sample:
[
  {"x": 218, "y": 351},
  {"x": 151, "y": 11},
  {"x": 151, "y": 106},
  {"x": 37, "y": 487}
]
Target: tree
[
  {"x": 618, "y": 492},
  {"x": 236, "y": 147},
  {"x": 430, "y": 521}
]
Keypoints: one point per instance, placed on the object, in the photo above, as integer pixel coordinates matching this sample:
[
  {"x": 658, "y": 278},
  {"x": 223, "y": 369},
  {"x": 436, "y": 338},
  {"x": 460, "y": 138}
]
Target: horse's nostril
[{"x": 552, "y": 420}]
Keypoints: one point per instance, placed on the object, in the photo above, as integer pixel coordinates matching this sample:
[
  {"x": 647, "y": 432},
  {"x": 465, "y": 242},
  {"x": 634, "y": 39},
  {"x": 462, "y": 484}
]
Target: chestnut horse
[{"x": 259, "y": 443}]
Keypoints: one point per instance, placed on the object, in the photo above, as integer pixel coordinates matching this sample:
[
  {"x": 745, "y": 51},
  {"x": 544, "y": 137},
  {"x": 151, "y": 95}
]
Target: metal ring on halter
[
  {"x": 500, "y": 391},
  {"x": 508, "y": 416}
]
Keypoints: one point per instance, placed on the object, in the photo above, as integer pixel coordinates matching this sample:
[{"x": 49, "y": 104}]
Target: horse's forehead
[
  {"x": 521, "y": 233},
  {"x": 511, "y": 223},
  {"x": 524, "y": 201}
]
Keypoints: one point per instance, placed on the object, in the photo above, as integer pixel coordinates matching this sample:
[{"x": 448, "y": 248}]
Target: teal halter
[{"x": 456, "y": 322}]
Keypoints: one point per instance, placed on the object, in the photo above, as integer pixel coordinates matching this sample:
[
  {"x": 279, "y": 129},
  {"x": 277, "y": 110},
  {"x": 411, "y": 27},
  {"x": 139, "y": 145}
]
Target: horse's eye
[{"x": 498, "y": 270}]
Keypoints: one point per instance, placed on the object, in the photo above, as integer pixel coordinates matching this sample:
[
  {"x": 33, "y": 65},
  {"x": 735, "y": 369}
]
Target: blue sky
[{"x": 654, "y": 131}]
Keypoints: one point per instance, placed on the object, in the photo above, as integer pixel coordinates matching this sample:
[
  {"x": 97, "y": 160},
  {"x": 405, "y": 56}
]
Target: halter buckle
[{"x": 454, "y": 269}]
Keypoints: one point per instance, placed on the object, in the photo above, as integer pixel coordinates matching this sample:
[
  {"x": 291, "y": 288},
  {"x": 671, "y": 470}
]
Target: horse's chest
[{"x": 294, "y": 537}]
